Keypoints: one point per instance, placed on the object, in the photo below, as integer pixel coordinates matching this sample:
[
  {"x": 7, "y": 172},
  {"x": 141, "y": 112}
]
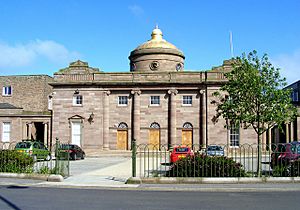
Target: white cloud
[
  {"x": 289, "y": 65},
  {"x": 26, "y": 54},
  {"x": 19, "y": 55},
  {"x": 136, "y": 10}
]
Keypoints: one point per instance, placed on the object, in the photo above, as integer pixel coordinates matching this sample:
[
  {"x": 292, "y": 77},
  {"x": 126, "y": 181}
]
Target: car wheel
[
  {"x": 83, "y": 156},
  {"x": 34, "y": 158},
  {"x": 74, "y": 156},
  {"x": 289, "y": 170},
  {"x": 48, "y": 157}
]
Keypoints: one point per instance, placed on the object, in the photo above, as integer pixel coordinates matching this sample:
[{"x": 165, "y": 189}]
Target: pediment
[
  {"x": 76, "y": 117},
  {"x": 78, "y": 67}
]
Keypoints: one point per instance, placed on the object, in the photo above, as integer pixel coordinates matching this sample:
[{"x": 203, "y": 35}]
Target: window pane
[
  {"x": 234, "y": 135},
  {"x": 6, "y": 91},
  {"x": 122, "y": 100},
  {"x": 187, "y": 100},
  {"x": 154, "y": 100},
  {"x": 6, "y": 132},
  {"x": 77, "y": 100}
]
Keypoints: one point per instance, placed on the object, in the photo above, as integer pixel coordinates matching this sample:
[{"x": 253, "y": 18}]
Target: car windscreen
[
  {"x": 23, "y": 145},
  {"x": 295, "y": 149},
  {"x": 215, "y": 148},
  {"x": 66, "y": 146},
  {"x": 182, "y": 149},
  {"x": 281, "y": 148}
]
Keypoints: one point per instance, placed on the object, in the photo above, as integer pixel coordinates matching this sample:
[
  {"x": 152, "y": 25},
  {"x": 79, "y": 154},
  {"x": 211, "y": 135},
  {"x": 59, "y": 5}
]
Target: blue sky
[{"x": 43, "y": 36}]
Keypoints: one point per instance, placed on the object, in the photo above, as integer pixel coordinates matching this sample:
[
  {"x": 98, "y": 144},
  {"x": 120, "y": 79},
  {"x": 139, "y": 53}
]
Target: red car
[
  {"x": 180, "y": 152},
  {"x": 284, "y": 154}
]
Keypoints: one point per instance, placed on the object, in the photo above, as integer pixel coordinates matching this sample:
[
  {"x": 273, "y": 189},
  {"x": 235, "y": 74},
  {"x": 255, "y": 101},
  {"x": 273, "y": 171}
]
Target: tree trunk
[{"x": 259, "y": 155}]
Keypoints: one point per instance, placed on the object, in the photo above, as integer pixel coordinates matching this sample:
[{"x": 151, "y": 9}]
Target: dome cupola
[{"x": 156, "y": 55}]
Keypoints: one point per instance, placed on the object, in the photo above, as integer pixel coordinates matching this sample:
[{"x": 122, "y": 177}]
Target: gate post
[
  {"x": 133, "y": 157},
  {"x": 56, "y": 156}
]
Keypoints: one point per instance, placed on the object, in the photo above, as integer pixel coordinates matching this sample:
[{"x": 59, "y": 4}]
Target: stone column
[
  {"x": 298, "y": 129},
  {"x": 136, "y": 122},
  {"x": 172, "y": 115},
  {"x": 292, "y": 131},
  {"x": 24, "y": 130},
  {"x": 46, "y": 134},
  {"x": 203, "y": 107},
  {"x": 270, "y": 137},
  {"x": 29, "y": 130},
  {"x": 287, "y": 133},
  {"x": 106, "y": 120}
]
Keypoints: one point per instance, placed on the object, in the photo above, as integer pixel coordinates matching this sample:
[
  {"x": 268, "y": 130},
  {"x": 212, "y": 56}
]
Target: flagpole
[{"x": 231, "y": 44}]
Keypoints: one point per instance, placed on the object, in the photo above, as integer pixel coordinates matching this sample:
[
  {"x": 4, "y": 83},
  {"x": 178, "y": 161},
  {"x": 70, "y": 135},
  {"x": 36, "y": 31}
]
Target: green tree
[{"x": 254, "y": 97}]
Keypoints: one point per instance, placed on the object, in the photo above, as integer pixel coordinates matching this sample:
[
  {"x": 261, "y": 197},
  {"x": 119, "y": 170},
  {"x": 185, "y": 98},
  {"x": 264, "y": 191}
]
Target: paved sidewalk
[
  {"x": 114, "y": 175},
  {"x": 113, "y": 172}
]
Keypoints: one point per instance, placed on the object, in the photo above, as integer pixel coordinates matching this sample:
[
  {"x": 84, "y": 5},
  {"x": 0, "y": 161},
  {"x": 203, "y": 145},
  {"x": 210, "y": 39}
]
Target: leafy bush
[
  {"x": 287, "y": 170},
  {"x": 281, "y": 171},
  {"x": 206, "y": 166},
  {"x": 15, "y": 162},
  {"x": 44, "y": 170},
  {"x": 295, "y": 168}
]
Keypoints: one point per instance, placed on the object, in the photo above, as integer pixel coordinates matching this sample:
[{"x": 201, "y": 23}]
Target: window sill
[
  {"x": 154, "y": 105},
  {"x": 234, "y": 147},
  {"x": 122, "y": 105}
]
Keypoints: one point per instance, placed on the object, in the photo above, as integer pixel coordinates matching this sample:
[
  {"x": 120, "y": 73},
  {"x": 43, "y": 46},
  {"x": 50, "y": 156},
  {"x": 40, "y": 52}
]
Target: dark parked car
[
  {"x": 284, "y": 154},
  {"x": 214, "y": 150},
  {"x": 73, "y": 151},
  {"x": 35, "y": 149}
]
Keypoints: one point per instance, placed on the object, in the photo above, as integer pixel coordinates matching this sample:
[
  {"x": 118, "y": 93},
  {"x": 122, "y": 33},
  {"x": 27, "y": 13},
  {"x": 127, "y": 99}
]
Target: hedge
[
  {"x": 13, "y": 161},
  {"x": 200, "y": 165}
]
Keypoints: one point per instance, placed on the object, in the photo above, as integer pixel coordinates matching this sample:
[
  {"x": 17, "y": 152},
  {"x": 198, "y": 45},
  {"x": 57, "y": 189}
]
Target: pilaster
[
  {"x": 136, "y": 122},
  {"x": 203, "y": 117},
  {"x": 172, "y": 116},
  {"x": 106, "y": 120}
]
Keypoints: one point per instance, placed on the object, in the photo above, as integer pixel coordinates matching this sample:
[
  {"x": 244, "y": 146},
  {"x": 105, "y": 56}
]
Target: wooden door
[
  {"x": 154, "y": 136},
  {"x": 122, "y": 139},
  {"x": 187, "y": 137}
]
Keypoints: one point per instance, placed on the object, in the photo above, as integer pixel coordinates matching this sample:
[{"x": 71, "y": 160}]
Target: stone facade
[
  {"x": 24, "y": 109},
  {"x": 292, "y": 130},
  {"x": 105, "y": 123},
  {"x": 29, "y": 92},
  {"x": 157, "y": 102}
]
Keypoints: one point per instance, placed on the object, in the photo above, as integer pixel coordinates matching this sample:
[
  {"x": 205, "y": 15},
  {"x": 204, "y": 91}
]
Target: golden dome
[{"x": 156, "y": 41}]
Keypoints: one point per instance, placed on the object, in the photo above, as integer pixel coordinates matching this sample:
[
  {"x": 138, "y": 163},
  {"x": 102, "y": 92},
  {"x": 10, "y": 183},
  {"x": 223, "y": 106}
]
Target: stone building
[
  {"x": 292, "y": 130},
  {"x": 24, "y": 110},
  {"x": 156, "y": 102}
]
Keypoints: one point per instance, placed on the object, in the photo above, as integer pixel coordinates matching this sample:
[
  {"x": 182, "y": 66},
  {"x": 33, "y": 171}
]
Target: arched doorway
[
  {"x": 187, "y": 134},
  {"x": 122, "y": 136},
  {"x": 154, "y": 136}
]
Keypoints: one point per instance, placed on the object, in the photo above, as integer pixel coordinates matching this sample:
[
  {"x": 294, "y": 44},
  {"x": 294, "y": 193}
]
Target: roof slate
[{"x": 8, "y": 106}]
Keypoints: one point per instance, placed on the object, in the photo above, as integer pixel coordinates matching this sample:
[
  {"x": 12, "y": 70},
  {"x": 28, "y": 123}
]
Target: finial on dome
[{"x": 157, "y": 33}]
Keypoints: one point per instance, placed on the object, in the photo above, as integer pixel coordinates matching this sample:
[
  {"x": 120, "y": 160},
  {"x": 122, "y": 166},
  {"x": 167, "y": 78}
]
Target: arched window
[
  {"x": 122, "y": 125},
  {"x": 187, "y": 125},
  {"x": 155, "y": 125}
]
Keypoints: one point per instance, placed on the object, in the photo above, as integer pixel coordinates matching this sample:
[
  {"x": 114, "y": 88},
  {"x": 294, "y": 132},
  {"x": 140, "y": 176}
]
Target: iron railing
[
  {"x": 26, "y": 160},
  {"x": 243, "y": 160}
]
